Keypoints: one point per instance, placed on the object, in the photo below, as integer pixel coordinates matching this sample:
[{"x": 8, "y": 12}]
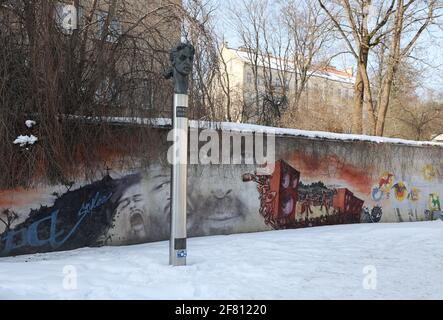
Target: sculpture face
[
  {"x": 181, "y": 58},
  {"x": 183, "y": 61}
]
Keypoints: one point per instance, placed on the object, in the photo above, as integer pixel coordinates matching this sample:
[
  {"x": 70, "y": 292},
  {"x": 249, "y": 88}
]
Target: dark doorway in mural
[
  {"x": 77, "y": 219},
  {"x": 285, "y": 202}
]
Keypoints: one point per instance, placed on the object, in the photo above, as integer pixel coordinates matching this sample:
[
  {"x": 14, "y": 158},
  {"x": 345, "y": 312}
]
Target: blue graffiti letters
[
  {"x": 29, "y": 236},
  {"x": 95, "y": 202}
]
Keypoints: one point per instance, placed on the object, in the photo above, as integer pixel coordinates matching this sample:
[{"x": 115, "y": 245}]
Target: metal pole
[{"x": 177, "y": 248}]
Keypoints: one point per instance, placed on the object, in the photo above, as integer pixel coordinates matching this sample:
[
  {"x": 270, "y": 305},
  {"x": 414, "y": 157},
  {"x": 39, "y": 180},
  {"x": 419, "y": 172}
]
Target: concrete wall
[{"x": 316, "y": 181}]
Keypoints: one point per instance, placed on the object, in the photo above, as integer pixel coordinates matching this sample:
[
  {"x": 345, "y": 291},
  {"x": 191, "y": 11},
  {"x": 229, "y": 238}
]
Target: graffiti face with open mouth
[{"x": 130, "y": 225}]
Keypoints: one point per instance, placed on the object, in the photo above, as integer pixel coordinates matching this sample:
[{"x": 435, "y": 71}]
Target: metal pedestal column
[{"x": 177, "y": 249}]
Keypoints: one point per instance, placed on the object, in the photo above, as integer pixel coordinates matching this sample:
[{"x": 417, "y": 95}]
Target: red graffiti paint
[
  {"x": 331, "y": 167},
  {"x": 18, "y": 197}
]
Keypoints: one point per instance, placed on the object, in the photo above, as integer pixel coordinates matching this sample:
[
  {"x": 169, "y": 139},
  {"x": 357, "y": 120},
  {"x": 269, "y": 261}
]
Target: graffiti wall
[{"x": 313, "y": 182}]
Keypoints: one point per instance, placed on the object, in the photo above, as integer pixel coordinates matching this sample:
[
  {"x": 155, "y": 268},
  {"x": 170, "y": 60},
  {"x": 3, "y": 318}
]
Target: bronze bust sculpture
[{"x": 181, "y": 58}]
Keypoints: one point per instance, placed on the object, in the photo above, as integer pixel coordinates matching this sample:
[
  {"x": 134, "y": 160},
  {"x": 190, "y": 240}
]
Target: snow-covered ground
[{"x": 403, "y": 261}]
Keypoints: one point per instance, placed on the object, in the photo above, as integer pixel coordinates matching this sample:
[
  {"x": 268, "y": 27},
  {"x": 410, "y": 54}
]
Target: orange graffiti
[
  {"x": 17, "y": 197},
  {"x": 331, "y": 166}
]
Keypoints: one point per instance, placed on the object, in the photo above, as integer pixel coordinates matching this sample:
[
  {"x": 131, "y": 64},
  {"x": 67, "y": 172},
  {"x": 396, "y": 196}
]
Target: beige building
[{"x": 328, "y": 94}]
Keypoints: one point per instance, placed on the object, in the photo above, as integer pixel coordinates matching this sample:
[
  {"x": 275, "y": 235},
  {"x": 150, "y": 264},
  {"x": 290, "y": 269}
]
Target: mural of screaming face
[
  {"x": 130, "y": 223},
  {"x": 217, "y": 203}
]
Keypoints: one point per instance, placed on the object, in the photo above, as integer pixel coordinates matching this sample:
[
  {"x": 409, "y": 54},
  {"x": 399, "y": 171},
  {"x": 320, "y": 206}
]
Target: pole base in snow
[
  {"x": 178, "y": 252},
  {"x": 178, "y": 258}
]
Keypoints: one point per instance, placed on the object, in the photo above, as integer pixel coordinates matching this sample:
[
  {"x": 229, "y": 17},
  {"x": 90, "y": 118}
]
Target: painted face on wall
[
  {"x": 130, "y": 221},
  {"x": 221, "y": 203},
  {"x": 216, "y": 204}
]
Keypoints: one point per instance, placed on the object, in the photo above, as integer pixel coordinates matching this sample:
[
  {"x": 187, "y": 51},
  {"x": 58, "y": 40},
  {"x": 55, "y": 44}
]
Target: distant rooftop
[{"x": 328, "y": 72}]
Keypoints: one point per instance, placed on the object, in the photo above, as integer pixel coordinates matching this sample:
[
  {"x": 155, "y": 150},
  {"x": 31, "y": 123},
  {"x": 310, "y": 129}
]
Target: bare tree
[
  {"x": 309, "y": 37},
  {"x": 351, "y": 18},
  {"x": 412, "y": 115},
  {"x": 397, "y": 25},
  {"x": 422, "y": 119},
  {"x": 284, "y": 45},
  {"x": 198, "y": 28},
  {"x": 412, "y": 18},
  {"x": 249, "y": 18},
  {"x": 109, "y": 66}
]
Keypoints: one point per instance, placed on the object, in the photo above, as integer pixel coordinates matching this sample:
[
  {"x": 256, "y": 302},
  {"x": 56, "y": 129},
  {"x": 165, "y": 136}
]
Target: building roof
[{"x": 329, "y": 72}]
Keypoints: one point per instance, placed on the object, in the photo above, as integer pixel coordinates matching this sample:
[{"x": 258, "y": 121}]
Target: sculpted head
[{"x": 181, "y": 58}]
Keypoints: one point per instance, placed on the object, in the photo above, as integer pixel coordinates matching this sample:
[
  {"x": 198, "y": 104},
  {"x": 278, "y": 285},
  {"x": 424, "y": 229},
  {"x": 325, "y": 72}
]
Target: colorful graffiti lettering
[
  {"x": 30, "y": 236},
  {"x": 77, "y": 219}
]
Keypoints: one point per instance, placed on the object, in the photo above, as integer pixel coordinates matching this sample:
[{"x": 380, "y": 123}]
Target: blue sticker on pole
[{"x": 181, "y": 254}]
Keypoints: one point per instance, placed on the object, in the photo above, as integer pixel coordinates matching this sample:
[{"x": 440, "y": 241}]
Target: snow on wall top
[
  {"x": 251, "y": 128},
  {"x": 226, "y": 126},
  {"x": 438, "y": 138}
]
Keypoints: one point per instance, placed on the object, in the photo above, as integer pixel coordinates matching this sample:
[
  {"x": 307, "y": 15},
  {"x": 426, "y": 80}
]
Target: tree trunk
[
  {"x": 357, "y": 113},
  {"x": 384, "y": 103},
  {"x": 359, "y": 92},
  {"x": 368, "y": 101},
  {"x": 393, "y": 62}
]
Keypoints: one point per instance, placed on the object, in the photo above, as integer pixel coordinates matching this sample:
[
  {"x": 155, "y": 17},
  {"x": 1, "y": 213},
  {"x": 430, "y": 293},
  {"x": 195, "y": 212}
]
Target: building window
[
  {"x": 316, "y": 89},
  {"x": 107, "y": 92},
  {"x": 287, "y": 84},
  {"x": 260, "y": 80},
  {"x": 67, "y": 17},
  {"x": 114, "y": 29},
  {"x": 249, "y": 78}
]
